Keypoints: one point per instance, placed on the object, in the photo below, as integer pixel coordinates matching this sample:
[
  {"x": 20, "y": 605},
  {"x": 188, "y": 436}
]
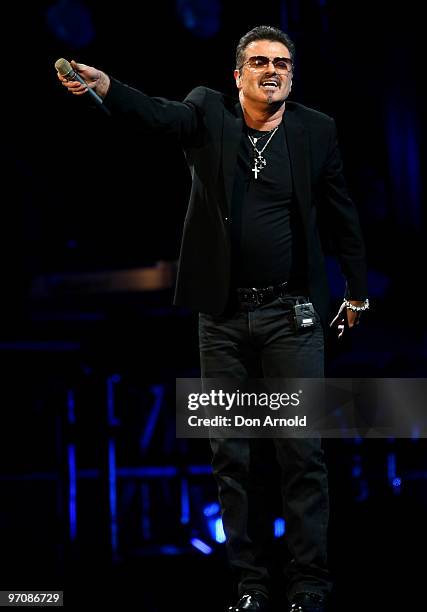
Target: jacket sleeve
[
  {"x": 152, "y": 115},
  {"x": 343, "y": 222}
]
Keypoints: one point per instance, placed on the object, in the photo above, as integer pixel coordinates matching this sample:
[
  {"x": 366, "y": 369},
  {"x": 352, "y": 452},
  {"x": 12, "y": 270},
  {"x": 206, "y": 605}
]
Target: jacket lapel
[
  {"x": 231, "y": 137},
  {"x": 299, "y": 156}
]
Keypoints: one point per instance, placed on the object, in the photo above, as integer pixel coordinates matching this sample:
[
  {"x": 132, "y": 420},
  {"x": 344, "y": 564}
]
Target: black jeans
[{"x": 261, "y": 342}]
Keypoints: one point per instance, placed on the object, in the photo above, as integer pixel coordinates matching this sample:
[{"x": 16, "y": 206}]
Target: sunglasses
[{"x": 260, "y": 62}]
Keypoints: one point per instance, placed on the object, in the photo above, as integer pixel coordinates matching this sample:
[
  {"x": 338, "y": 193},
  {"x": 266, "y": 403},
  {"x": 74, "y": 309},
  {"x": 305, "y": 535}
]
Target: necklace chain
[
  {"x": 254, "y": 140},
  {"x": 259, "y": 160},
  {"x": 264, "y": 134}
]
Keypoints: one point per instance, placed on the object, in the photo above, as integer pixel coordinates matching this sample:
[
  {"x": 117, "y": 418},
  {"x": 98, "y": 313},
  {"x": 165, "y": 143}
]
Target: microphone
[{"x": 66, "y": 70}]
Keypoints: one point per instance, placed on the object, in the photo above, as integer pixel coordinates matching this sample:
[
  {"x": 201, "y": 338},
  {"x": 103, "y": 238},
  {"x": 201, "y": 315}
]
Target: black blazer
[{"x": 209, "y": 126}]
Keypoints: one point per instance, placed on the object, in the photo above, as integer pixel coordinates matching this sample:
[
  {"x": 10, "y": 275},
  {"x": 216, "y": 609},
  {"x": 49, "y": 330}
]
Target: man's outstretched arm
[{"x": 181, "y": 120}]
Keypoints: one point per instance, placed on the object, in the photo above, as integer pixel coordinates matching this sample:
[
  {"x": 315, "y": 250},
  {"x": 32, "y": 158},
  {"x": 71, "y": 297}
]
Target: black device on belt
[{"x": 304, "y": 315}]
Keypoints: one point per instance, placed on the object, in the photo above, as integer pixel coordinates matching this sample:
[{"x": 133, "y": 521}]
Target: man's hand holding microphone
[{"x": 80, "y": 79}]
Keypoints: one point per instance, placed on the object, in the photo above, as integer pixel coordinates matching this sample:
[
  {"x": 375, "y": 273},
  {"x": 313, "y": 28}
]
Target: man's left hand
[{"x": 352, "y": 317}]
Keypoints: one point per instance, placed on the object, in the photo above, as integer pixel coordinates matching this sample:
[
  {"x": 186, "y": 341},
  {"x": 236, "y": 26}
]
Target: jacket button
[{"x": 227, "y": 219}]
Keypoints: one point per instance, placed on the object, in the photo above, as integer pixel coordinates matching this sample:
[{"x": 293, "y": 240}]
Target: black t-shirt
[{"x": 267, "y": 238}]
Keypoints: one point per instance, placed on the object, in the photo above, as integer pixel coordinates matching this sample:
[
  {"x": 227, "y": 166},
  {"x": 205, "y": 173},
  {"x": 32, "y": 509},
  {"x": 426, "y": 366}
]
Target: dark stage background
[{"x": 98, "y": 497}]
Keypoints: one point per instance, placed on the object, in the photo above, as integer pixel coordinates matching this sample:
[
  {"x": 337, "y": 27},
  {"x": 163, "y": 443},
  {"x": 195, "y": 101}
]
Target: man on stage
[{"x": 263, "y": 170}]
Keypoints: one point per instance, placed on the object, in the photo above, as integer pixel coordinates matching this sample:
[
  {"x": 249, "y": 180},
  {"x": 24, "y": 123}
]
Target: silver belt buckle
[{"x": 256, "y": 296}]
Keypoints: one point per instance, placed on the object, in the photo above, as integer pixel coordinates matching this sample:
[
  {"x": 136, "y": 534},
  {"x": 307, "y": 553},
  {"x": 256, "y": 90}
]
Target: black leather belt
[{"x": 262, "y": 295}]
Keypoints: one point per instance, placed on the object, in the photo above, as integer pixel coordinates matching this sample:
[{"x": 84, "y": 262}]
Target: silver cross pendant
[{"x": 259, "y": 164}]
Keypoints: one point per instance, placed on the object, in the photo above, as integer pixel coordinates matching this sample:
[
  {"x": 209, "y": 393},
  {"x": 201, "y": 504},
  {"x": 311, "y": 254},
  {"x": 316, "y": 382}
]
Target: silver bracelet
[{"x": 357, "y": 308}]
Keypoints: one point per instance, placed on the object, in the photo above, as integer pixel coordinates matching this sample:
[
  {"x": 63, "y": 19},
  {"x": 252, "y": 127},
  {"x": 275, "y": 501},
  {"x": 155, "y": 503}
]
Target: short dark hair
[{"x": 263, "y": 32}]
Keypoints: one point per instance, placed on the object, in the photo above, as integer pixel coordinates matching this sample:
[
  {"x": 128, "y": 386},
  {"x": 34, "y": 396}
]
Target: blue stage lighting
[
  {"x": 185, "y": 502},
  {"x": 201, "y": 17},
  {"x": 202, "y": 546},
  {"x": 71, "y": 22},
  {"x": 72, "y": 474},
  {"x": 211, "y": 509},
  {"x": 219, "y": 531},
  {"x": 279, "y": 527}
]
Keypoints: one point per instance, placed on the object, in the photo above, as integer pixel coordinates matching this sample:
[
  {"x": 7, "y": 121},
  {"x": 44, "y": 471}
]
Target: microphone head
[{"x": 63, "y": 67}]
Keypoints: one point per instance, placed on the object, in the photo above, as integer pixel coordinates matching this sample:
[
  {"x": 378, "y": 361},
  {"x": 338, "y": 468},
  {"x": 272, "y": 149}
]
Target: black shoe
[
  {"x": 307, "y": 602},
  {"x": 252, "y": 601}
]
